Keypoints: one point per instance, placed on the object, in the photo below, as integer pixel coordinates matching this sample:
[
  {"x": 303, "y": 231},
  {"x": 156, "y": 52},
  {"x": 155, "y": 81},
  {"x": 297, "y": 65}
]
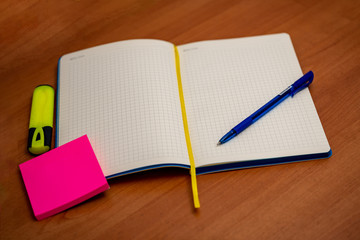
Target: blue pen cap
[{"x": 302, "y": 83}]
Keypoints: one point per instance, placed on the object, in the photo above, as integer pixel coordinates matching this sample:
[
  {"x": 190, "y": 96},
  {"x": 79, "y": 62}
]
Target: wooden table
[{"x": 309, "y": 200}]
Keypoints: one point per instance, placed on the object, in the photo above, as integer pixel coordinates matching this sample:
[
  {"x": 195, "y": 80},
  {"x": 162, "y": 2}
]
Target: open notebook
[{"x": 125, "y": 97}]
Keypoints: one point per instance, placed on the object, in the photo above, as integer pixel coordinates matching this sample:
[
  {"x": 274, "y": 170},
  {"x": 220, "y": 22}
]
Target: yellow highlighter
[{"x": 41, "y": 119}]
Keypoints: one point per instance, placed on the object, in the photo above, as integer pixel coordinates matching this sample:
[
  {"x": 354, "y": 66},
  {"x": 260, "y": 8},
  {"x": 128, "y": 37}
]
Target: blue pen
[{"x": 296, "y": 87}]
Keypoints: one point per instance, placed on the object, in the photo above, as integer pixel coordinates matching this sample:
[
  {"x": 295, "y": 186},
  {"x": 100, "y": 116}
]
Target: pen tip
[{"x": 219, "y": 143}]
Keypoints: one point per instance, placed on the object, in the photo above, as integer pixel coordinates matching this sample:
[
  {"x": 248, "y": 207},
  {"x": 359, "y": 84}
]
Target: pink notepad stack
[{"x": 62, "y": 178}]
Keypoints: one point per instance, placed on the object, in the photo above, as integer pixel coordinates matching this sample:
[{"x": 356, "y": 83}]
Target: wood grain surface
[{"x": 309, "y": 200}]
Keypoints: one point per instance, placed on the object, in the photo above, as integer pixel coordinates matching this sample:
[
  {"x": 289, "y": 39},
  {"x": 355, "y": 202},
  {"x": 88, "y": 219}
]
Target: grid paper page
[
  {"x": 125, "y": 97},
  {"x": 225, "y": 81}
]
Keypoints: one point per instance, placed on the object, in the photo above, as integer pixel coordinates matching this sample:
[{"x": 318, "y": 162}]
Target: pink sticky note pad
[{"x": 63, "y": 177}]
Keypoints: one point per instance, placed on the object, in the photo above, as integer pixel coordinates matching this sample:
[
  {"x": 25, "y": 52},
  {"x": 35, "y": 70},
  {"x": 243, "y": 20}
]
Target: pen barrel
[{"x": 243, "y": 125}]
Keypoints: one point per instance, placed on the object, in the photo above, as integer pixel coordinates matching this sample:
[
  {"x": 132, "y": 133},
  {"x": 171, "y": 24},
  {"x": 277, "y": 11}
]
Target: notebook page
[
  {"x": 125, "y": 97},
  {"x": 225, "y": 81}
]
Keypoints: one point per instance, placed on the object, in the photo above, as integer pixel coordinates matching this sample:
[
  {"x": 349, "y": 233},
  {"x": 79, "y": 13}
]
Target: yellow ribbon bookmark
[{"x": 187, "y": 135}]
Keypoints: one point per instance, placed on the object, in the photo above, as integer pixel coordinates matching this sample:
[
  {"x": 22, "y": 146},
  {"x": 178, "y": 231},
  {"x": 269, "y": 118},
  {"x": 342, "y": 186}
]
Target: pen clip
[{"x": 302, "y": 83}]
